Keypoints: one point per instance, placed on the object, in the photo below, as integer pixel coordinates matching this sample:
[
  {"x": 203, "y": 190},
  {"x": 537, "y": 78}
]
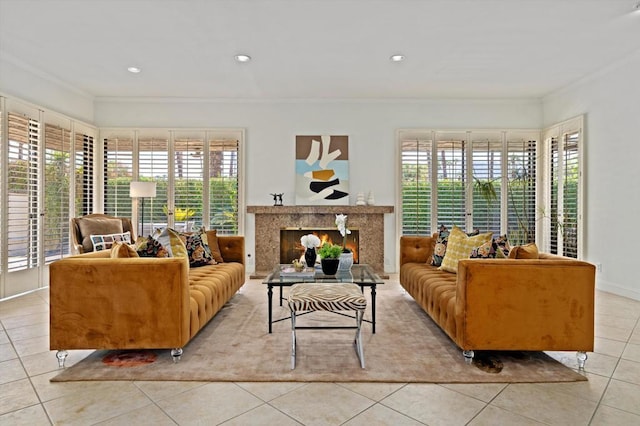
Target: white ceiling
[{"x": 318, "y": 49}]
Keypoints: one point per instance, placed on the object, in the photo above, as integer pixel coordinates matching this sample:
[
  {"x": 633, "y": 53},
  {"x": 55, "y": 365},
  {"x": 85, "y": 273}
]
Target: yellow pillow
[
  {"x": 526, "y": 251},
  {"x": 122, "y": 250},
  {"x": 460, "y": 246}
]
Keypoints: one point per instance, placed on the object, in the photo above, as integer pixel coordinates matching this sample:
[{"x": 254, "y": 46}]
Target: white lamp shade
[{"x": 142, "y": 190}]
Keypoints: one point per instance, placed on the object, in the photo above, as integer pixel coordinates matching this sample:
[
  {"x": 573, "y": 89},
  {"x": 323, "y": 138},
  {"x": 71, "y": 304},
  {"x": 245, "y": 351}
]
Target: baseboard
[{"x": 617, "y": 289}]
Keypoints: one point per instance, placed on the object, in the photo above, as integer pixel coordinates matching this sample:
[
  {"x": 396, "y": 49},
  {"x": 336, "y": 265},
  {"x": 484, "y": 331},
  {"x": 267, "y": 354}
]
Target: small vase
[
  {"x": 310, "y": 257},
  {"x": 346, "y": 261},
  {"x": 329, "y": 266}
]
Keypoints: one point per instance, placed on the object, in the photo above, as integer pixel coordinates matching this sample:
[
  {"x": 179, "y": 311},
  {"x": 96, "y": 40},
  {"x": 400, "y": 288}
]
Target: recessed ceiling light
[
  {"x": 242, "y": 58},
  {"x": 397, "y": 58},
  {"x": 134, "y": 70}
]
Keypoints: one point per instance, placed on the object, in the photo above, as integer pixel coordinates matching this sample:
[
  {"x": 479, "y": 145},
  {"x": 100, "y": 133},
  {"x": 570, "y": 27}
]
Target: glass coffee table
[{"x": 360, "y": 274}]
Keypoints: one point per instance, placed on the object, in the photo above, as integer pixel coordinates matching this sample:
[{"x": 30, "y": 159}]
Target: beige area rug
[{"x": 407, "y": 347}]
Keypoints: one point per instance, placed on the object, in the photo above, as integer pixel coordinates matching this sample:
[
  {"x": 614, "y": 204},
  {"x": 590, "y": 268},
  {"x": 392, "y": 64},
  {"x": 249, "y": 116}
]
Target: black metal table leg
[
  {"x": 373, "y": 308},
  {"x": 270, "y": 297}
]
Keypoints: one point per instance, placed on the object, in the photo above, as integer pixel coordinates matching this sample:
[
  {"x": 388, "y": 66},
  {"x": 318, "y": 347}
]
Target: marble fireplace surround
[{"x": 270, "y": 219}]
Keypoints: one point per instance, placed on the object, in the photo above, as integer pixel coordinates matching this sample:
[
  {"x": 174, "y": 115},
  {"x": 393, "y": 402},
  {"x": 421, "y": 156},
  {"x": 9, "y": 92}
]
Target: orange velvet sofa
[
  {"x": 544, "y": 304},
  {"x": 97, "y": 302}
]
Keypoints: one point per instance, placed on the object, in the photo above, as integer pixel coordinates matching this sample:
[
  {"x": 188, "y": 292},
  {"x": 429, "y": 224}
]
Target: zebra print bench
[{"x": 327, "y": 297}]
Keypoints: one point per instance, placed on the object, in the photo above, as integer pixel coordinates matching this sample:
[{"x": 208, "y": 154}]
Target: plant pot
[
  {"x": 346, "y": 261},
  {"x": 329, "y": 266}
]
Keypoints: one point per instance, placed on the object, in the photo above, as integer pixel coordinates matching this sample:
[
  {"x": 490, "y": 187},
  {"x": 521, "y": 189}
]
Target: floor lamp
[{"x": 142, "y": 190}]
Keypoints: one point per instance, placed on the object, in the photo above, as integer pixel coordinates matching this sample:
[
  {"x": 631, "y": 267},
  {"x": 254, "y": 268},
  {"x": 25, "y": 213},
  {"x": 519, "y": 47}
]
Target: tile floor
[{"x": 610, "y": 397}]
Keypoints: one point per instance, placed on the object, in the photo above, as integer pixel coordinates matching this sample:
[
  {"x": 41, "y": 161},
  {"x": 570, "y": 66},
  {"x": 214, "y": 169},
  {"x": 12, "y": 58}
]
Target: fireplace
[
  {"x": 269, "y": 220},
  {"x": 290, "y": 247}
]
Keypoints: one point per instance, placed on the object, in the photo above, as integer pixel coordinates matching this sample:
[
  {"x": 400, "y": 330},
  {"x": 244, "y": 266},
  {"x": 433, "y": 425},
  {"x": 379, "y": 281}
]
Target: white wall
[
  {"x": 271, "y": 128},
  {"x": 32, "y": 86},
  {"x": 611, "y": 102}
]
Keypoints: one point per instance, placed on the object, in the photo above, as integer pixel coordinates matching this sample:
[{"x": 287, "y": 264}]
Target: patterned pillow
[
  {"x": 197, "y": 250},
  {"x": 149, "y": 247},
  {"x": 503, "y": 247},
  {"x": 170, "y": 240},
  {"x": 485, "y": 251},
  {"x": 459, "y": 247},
  {"x": 441, "y": 246},
  {"x": 104, "y": 242},
  {"x": 497, "y": 248}
]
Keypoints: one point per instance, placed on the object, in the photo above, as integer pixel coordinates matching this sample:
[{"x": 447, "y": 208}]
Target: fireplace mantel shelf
[{"x": 320, "y": 209}]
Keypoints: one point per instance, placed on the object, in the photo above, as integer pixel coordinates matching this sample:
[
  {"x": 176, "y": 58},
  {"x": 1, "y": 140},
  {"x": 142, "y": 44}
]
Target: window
[
  {"x": 84, "y": 169},
  {"x": 223, "y": 185},
  {"x": 197, "y": 175},
  {"x": 484, "y": 180},
  {"x": 118, "y": 174},
  {"x": 57, "y": 184},
  {"x": 22, "y": 184},
  {"x": 563, "y": 188},
  {"x": 416, "y": 186},
  {"x": 47, "y": 158},
  {"x": 153, "y": 165},
  {"x": 451, "y": 179}
]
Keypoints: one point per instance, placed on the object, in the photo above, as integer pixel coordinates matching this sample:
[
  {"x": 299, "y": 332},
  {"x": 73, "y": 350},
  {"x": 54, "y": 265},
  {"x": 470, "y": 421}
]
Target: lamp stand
[{"x": 141, "y": 234}]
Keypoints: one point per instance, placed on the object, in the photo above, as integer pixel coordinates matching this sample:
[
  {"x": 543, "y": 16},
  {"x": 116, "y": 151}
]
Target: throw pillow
[
  {"x": 212, "y": 243},
  {"x": 97, "y": 226},
  {"x": 149, "y": 247},
  {"x": 121, "y": 250},
  {"x": 459, "y": 247},
  {"x": 502, "y": 251},
  {"x": 104, "y": 242},
  {"x": 526, "y": 251},
  {"x": 170, "y": 239},
  {"x": 485, "y": 251},
  {"x": 198, "y": 252},
  {"x": 441, "y": 246}
]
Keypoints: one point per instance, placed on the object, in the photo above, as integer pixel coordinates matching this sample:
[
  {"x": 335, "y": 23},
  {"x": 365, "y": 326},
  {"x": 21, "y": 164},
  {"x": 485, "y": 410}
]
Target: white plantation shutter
[
  {"x": 452, "y": 178},
  {"x": 22, "y": 214},
  {"x": 57, "y": 184},
  {"x": 153, "y": 166},
  {"x": 416, "y": 166},
  {"x": 189, "y": 176},
  {"x": 486, "y": 159},
  {"x": 564, "y": 188},
  {"x": 118, "y": 174},
  {"x": 84, "y": 173},
  {"x": 521, "y": 184},
  {"x": 223, "y": 185},
  {"x": 570, "y": 186}
]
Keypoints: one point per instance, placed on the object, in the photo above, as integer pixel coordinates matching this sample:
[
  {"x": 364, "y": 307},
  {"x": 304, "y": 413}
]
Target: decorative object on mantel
[
  {"x": 322, "y": 170},
  {"x": 330, "y": 258},
  {"x": 310, "y": 242},
  {"x": 277, "y": 199},
  {"x": 360, "y": 199},
  {"x": 346, "y": 257},
  {"x": 370, "y": 200}
]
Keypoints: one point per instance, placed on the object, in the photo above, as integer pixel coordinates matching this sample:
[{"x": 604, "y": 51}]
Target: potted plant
[
  {"x": 346, "y": 257},
  {"x": 330, "y": 258}
]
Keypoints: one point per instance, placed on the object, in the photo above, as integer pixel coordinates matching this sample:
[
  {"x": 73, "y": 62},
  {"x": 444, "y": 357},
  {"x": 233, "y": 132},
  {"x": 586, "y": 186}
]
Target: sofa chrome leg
[
  {"x": 293, "y": 340},
  {"x": 582, "y": 359},
  {"x": 62, "y": 357},
  {"x": 468, "y": 356},
  {"x": 176, "y": 354}
]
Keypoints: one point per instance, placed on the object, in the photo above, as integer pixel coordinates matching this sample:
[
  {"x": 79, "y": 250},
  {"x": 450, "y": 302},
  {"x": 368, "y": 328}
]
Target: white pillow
[{"x": 104, "y": 242}]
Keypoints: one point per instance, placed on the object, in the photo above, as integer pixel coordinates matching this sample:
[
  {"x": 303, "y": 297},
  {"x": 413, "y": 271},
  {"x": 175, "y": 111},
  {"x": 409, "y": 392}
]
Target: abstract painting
[{"x": 322, "y": 170}]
